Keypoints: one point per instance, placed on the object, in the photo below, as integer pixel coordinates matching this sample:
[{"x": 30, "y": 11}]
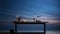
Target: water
[{"x": 47, "y": 32}]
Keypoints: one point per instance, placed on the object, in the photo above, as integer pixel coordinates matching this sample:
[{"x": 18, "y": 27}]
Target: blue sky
[{"x": 46, "y": 9}]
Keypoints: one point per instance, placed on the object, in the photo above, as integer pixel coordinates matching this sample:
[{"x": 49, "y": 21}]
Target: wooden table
[{"x": 44, "y": 23}]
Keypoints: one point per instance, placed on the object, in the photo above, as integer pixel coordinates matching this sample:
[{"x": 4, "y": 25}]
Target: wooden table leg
[
  {"x": 15, "y": 28},
  {"x": 44, "y": 28}
]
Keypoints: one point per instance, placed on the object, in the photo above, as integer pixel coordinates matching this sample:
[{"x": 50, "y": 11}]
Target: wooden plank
[{"x": 29, "y": 22}]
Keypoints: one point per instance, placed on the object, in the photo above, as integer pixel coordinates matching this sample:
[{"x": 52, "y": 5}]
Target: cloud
[
  {"x": 52, "y": 21},
  {"x": 49, "y": 18},
  {"x": 46, "y": 18},
  {"x": 4, "y": 23}
]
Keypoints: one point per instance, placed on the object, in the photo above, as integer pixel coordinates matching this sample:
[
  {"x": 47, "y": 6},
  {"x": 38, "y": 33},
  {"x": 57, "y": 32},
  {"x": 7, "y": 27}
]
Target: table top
[{"x": 29, "y": 22}]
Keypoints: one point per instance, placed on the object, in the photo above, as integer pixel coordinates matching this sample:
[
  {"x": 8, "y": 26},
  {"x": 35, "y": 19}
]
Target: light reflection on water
[
  {"x": 52, "y": 32},
  {"x": 47, "y": 32}
]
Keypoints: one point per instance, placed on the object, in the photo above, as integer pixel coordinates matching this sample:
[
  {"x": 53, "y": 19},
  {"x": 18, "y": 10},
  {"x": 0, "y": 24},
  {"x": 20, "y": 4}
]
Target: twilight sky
[{"x": 48, "y": 10}]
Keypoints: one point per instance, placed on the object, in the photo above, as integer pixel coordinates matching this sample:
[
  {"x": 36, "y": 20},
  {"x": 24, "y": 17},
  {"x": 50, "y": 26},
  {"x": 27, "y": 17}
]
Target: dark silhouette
[
  {"x": 34, "y": 22},
  {"x": 11, "y": 31}
]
